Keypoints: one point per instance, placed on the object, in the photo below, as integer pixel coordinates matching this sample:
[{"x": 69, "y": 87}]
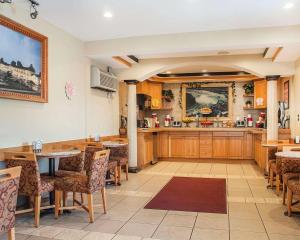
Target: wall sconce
[{"x": 33, "y": 7}]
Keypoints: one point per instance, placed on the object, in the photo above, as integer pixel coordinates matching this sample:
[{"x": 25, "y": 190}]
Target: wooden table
[{"x": 51, "y": 155}]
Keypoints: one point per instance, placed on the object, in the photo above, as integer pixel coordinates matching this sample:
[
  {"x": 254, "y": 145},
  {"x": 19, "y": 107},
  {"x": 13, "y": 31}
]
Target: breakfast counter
[{"x": 195, "y": 144}]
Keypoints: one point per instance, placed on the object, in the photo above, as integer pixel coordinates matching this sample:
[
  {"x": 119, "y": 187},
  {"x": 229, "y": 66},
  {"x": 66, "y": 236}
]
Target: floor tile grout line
[
  {"x": 159, "y": 224},
  {"x": 193, "y": 228},
  {"x": 259, "y": 214}
]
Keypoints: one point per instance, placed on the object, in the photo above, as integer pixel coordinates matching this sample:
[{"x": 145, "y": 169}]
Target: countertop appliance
[{"x": 176, "y": 124}]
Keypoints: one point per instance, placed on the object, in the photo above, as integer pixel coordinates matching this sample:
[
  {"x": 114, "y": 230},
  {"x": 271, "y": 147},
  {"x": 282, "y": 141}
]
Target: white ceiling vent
[{"x": 103, "y": 80}]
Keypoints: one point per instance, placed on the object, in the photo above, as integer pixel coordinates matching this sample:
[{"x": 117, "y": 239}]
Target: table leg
[{"x": 52, "y": 173}]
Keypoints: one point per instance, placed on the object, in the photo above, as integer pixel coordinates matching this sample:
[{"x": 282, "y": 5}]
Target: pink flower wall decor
[{"x": 70, "y": 90}]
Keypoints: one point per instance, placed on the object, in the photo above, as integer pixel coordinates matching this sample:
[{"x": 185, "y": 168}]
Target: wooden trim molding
[
  {"x": 61, "y": 145},
  {"x": 278, "y": 50},
  {"x": 43, "y": 98},
  {"x": 122, "y": 61}
]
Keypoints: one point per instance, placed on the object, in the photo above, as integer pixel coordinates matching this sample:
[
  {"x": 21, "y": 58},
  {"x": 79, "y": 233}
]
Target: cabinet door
[
  {"x": 220, "y": 147},
  {"x": 163, "y": 145},
  {"x": 235, "y": 147},
  {"x": 156, "y": 95},
  {"x": 177, "y": 146},
  {"x": 192, "y": 148},
  {"x": 206, "y": 144},
  {"x": 143, "y": 88},
  {"x": 148, "y": 149},
  {"x": 248, "y": 146},
  {"x": 260, "y": 94}
]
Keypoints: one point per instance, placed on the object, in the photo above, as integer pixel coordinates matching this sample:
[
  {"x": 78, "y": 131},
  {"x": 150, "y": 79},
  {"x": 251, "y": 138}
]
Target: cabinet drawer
[
  {"x": 205, "y": 142},
  {"x": 205, "y": 134}
]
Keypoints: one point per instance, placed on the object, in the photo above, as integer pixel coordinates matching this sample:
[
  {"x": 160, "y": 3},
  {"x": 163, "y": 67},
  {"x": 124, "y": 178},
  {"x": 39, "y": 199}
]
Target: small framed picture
[{"x": 286, "y": 94}]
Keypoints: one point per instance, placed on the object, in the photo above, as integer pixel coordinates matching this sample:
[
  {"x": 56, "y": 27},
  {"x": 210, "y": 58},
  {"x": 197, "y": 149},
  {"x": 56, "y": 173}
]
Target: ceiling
[
  {"x": 204, "y": 53},
  {"x": 84, "y": 19},
  {"x": 200, "y": 68}
]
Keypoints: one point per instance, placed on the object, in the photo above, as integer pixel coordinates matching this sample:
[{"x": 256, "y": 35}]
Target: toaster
[{"x": 176, "y": 124}]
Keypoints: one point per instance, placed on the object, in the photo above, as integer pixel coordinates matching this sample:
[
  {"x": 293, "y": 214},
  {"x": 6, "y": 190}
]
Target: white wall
[
  {"x": 294, "y": 101},
  {"x": 88, "y": 113}
]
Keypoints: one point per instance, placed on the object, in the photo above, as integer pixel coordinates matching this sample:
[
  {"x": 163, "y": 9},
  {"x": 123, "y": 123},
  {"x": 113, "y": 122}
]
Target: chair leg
[
  {"x": 37, "y": 210},
  {"x": 90, "y": 207},
  {"x": 271, "y": 178},
  {"x": 116, "y": 175},
  {"x": 11, "y": 234},
  {"x": 289, "y": 201},
  {"x": 103, "y": 194},
  {"x": 283, "y": 193},
  {"x": 126, "y": 169},
  {"x": 119, "y": 173},
  {"x": 74, "y": 198},
  {"x": 65, "y": 196},
  {"x": 82, "y": 198},
  {"x": 277, "y": 184},
  {"x": 57, "y": 202}
]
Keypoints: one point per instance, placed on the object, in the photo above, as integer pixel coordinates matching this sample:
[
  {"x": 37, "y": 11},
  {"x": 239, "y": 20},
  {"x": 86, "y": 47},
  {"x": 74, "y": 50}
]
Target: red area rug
[{"x": 192, "y": 195}]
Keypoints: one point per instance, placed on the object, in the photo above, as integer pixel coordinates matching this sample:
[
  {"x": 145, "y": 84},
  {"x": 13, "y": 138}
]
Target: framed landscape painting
[
  {"x": 23, "y": 62},
  {"x": 215, "y": 97}
]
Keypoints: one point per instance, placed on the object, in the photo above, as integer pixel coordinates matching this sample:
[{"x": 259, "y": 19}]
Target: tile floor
[{"x": 254, "y": 212}]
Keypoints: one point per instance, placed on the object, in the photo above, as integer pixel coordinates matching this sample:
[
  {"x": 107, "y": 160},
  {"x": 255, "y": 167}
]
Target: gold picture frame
[
  {"x": 23, "y": 82},
  {"x": 212, "y": 85}
]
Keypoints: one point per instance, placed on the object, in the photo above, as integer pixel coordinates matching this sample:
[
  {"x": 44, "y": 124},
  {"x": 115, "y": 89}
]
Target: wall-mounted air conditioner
[{"x": 103, "y": 80}]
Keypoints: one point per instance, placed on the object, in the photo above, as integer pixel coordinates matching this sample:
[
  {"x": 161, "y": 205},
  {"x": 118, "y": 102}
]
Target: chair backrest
[
  {"x": 96, "y": 171},
  {"x": 89, "y": 154},
  {"x": 9, "y": 184},
  {"x": 290, "y": 165},
  {"x": 121, "y": 151},
  {"x": 30, "y": 180},
  {"x": 73, "y": 163}
]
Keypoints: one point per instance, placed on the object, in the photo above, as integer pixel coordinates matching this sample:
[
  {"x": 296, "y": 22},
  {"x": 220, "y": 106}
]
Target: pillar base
[{"x": 133, "y": 169}]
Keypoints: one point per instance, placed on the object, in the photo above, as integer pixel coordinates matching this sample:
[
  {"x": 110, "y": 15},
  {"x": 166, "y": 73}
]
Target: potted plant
[
  {"x": 249, "y": 88},
  {"x": 248, "y": 104},
  {"x": 168, "y": 95}
]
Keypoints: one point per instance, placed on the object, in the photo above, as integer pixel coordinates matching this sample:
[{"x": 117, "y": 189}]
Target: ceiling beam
[
  {"x": 278, "y": 50},
  {"x": 122, "y": 61}
]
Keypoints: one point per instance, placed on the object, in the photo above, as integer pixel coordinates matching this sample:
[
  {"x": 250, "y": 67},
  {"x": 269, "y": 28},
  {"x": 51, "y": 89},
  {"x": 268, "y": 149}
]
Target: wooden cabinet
[
  {"x": 248, "y": 146},
  {"x": 206, "y": 145},
  {"x": 260, "y": 94},
  {"x": 154, "y": 90},
  {"x": 148, "y": 149},
  {"x": 235, "y": 145},
  {"x": 220, "y": 147},
  {"x": 177, "y": 146},
  {"x": 156, "y": 95},
  {"x": 145, "y": 149},
  {"x": 143, "y": 88},
  {"x": 192, "y": 149},
  {"x": 163, "y": 145}
]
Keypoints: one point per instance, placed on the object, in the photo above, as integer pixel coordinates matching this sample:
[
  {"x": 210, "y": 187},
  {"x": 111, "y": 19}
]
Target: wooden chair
[
  {"x": 9, "y": 184},
  {"x": 120, "y": 154},
  {"x": 271, "y": 159},
  {"x": 275, "y": 171},
  {"x": 32, "y": 183},
  {"x": 93, "y": 181},
  {"x": 290, "y": 172}
]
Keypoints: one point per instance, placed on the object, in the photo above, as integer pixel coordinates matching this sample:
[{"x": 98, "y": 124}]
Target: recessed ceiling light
[
  {"x": 204, "y": 70},
  {"x": 168, "y": 72},
  {"x": 108, "y": 14},
  {"x": 288, "y": 5}
]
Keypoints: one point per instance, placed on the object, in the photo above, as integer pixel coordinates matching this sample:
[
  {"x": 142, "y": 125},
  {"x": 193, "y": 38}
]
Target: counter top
[
  {"x": 190, "y": 129},
  {"x": 288, "y": 154}
]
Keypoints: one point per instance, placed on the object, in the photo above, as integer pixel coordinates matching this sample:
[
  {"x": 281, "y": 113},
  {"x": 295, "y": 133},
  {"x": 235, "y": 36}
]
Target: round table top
[
  {"x": 114, "y": 144},
  {"x": 54, "y": 153},
  {"x": 288, "y": 154}
]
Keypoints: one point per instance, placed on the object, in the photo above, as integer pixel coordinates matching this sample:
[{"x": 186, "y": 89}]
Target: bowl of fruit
[{"x": 187, "y": 121}]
